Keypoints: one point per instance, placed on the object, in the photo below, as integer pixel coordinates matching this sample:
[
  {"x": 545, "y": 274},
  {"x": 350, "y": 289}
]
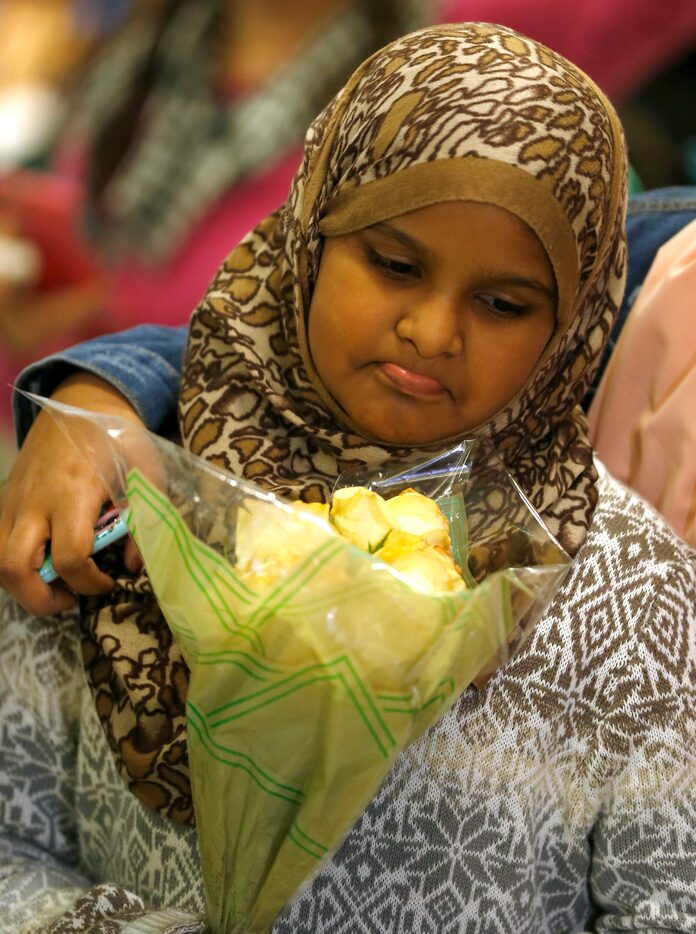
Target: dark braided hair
[{"x": 114, "y": 139}]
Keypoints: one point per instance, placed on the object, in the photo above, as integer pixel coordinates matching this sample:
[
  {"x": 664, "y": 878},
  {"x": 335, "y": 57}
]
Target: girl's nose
[{"x": 433, "y": 326}]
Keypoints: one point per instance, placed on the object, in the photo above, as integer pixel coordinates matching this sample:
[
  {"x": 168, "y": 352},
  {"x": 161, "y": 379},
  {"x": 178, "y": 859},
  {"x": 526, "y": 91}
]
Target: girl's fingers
[
  {"x": 68, "y": 530},
  {"x": 72, "y": 537},
  {"x": 21, "y": 555}
]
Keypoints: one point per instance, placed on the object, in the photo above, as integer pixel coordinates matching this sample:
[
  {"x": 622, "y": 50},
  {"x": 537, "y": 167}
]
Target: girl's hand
[{"x": 54, "y": 493}]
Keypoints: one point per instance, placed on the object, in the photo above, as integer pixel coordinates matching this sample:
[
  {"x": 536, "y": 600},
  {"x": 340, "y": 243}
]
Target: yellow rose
[
  {"x": 427, "y": 568},
  {"x": 361, "y": 516},
  {"x": 412, "y": 512},
  {"x": 272, "y": 539},
  {"x": 408, "y": 532}
]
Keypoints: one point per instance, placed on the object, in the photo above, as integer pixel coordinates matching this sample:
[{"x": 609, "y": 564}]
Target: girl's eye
[
  {"x": 394, "y": 268},
  {"x": 502, "y": 307}
]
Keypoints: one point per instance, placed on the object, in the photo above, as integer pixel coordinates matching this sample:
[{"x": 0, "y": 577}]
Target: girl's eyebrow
[
  {"x": 501, "y": 278},
  {"x": 404, "y": 238},
  {"x": 525, "y": 282}
]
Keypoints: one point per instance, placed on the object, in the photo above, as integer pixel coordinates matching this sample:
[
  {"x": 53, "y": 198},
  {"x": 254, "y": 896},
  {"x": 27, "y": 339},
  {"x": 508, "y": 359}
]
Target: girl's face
[{"x": 422, "y": 327}]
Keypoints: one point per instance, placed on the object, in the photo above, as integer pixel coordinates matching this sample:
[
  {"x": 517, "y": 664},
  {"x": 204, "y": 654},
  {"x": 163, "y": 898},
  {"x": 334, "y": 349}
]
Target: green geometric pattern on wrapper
[{"x": 300, "y": 696}]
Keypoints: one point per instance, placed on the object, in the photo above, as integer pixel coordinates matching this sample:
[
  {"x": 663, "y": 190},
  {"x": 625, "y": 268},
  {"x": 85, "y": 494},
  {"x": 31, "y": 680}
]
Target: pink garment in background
[{"x": 643, "y": 417}]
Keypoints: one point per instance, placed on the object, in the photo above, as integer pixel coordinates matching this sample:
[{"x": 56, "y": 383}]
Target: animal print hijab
[
  {"x": 472, "y": 112},
  {"x": 458, "y": 112}
]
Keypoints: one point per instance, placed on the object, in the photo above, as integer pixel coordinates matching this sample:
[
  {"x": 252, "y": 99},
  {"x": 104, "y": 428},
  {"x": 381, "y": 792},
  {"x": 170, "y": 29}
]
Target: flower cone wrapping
[
  {"x": 303, "y": 691},
  {"x": 309, "y": 675}
]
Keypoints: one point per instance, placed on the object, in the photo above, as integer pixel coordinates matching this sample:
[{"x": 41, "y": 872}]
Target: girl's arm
[
  {"x": 143, "y": 364},
  {"x": 53, "y": 492}
]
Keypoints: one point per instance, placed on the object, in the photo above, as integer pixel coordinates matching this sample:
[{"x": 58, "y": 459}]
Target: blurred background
[{"x": 140, "y": 139}]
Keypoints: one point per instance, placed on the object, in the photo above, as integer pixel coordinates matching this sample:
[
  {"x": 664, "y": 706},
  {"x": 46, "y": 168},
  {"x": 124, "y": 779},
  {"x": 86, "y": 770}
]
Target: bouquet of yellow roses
[{"x": 321, "y": 639}]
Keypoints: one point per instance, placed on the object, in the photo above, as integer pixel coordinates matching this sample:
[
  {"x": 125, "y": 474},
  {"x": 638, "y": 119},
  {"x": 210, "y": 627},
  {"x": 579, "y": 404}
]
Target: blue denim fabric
[
  {"x": 653, "y": 218},
  {"x": 144, "y": 363}
]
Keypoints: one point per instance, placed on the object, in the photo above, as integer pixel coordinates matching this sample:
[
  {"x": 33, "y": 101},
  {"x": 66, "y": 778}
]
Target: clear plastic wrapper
[{"x": 313, "y": 663}]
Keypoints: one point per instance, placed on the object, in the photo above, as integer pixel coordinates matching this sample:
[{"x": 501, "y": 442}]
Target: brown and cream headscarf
[{"x": 460, "y": 112}]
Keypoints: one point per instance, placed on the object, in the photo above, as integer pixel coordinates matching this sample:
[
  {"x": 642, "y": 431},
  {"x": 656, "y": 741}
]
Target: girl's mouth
[{"x": 416, "y": 384}]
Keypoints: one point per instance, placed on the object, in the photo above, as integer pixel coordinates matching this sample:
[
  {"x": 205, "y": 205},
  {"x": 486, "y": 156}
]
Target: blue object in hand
[{"x": 111, "y": 527}]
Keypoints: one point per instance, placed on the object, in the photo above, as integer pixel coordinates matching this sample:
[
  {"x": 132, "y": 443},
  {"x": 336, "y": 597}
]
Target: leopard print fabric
[
  {"x": 454, "y": 112},
  {"x": 470, "y": 112},
  {"x": 139, "y": 680}
]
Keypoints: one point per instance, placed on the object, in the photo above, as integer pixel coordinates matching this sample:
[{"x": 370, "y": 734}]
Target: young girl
[{"x": 448, "y": 263}]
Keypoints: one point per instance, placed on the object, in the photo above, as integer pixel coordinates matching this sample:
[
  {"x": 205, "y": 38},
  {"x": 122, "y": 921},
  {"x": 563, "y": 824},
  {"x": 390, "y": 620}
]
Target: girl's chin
[
  {"x": 397, "y": 433},
  {"x": 406, "y": 424}
]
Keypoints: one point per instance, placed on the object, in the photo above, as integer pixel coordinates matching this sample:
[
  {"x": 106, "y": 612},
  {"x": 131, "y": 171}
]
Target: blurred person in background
[{"x": 45, "y": 45}]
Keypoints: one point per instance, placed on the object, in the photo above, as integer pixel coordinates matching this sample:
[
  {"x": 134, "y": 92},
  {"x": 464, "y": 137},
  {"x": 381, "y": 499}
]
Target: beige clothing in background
[{"x": 643, "y": 418}]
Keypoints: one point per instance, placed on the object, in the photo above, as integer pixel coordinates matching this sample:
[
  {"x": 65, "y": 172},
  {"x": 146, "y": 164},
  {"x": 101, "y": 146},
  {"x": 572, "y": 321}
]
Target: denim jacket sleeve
[{"x": 144, "y": 363}]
